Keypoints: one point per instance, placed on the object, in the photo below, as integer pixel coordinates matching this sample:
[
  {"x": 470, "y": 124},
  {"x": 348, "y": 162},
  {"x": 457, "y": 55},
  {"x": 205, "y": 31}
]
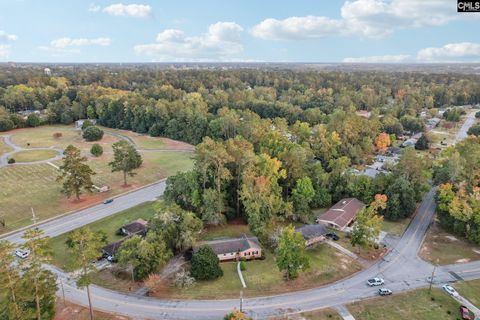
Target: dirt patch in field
[{"x": 70, "y": 311}]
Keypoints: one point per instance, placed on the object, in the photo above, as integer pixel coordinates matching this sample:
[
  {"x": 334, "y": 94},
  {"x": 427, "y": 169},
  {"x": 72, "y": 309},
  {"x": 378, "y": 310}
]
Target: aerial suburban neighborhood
[{"x": 239, "y": 160}]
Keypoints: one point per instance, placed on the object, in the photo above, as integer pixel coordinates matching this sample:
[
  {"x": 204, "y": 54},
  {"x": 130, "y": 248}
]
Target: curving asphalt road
[
  {"x": 401, "y": 268},
  {"x": 8, "y": 141}
]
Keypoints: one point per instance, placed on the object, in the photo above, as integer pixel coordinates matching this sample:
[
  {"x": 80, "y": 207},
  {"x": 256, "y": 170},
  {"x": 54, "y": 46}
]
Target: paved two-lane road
[{"x": 83, "y": 217}]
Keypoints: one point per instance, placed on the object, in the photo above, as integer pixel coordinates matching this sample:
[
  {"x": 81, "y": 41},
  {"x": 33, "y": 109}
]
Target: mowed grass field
[
  {"x": 24, "y": 187},
  {"x": 412, "y": 305},
  {"x": 33, "y": 155}
]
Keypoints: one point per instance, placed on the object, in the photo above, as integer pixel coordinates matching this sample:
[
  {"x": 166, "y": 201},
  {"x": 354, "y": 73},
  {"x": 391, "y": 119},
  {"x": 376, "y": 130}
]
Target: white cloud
[
  {"x": 451, "y": 52},
  {"x": 68, "y": 42},
  {"x": 461, "y": 51},
  {"x": 132, "y": 10},
  {"x": 221, "y": 42},
  {"x": 4, "y": 51},
  {"x": 380, "y": 59},
  {"x": 296, "y": 28},
  {"x": 4, "y": 36},
  {"x": 367, "y": 18}
]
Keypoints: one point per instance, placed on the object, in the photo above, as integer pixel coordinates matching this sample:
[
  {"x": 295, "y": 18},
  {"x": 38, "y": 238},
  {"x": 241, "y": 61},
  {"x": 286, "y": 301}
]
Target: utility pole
[{"x": 431, "y": 278}]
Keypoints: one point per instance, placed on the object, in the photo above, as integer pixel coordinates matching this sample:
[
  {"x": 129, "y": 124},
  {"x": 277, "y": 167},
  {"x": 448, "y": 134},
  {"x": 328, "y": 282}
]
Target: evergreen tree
[
  {"x": 75, "y": 174},
  {"x": 205, "y": 264},
  {"x": 125, "y": 159},
  {"x": 11, "y": 303}
]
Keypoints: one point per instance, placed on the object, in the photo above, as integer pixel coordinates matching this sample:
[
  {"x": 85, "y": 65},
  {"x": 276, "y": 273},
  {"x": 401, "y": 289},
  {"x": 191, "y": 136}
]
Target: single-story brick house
[
  {"x": 342, "y": 214},
  {"x": 232, "y": 249},
  {"x": 312, "y": 233},
  {"x": 138, "y": 226}
]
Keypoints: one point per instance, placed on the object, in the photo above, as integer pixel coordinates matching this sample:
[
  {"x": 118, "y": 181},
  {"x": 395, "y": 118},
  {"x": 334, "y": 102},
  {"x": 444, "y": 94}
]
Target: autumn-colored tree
[{"x": 382, "y": 142}]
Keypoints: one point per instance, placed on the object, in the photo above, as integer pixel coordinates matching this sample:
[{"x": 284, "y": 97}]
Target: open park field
[
  {"x": 412, "y": 305},
  {"x": 23, "y": 187}
]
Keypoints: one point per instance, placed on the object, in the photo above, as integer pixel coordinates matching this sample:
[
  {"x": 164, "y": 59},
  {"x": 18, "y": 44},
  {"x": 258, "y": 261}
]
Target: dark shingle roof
[
  {"x": 231, "y": 245},
  {"x": 343, "y": 212},
  {"x": 137, "y": 227},
  {"x": 112, "y": 248},
  {"x": 311, "y": 231}
]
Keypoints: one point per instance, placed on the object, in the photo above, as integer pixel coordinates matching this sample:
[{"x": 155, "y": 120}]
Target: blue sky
[{"x": 238, "y": 30}]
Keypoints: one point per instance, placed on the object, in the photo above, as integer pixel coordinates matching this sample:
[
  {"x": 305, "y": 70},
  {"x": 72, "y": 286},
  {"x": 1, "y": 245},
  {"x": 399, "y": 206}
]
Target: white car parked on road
[
  {"x": 21, "y": 253},
  {"x": 375, "y": 282},
  {"x": 449, "y": 289}
]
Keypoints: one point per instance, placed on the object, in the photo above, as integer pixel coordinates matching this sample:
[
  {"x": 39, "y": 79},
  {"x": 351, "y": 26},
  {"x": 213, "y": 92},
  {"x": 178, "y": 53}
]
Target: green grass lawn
[
  {"x": 470, "y": 290},
  {"x": 33, "y": 155},
  {"x": 24, "y": 187},
  {"x": 225, "y": 231},
  {"x": 109, "y": 225},
  {"x": 263, "y": 277},
  {"x": 395, "y": 228},
  {"x": 413, "y": 305},
  {"x": 441, "y": 247}
]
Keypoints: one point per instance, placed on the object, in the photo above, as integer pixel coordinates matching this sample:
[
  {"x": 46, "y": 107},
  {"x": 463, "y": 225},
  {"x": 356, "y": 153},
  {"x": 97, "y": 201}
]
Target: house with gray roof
[
  {"x": 312, "y": 233},
  {"x": 234, "y": 249}
]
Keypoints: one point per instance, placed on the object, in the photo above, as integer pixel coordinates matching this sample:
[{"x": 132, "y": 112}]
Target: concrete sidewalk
[{"x": 344, "y": 313}]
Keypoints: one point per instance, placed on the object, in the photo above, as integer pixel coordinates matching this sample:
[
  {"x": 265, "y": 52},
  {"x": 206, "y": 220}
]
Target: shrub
[
  {"x": 11, "y": 160},
  {"x": 155, "y": 130},
  {"x": 86, "y": 124},
  {"x": 17, "y": 120},
  {"x": 474, "y": 130},
  {"x": 57, "y": 135},
  {"x": 422, "y": 143},
  {"x": 205, "y": 264},
  {"x": 6, "y": 124},
  {"x": 243, "y": 265},
  {"x": 183, "y": 279},
  {"x": 33, "y": 120},
  {"x": 96, "y": 150},
  {"x": 66, "y": 118},
  {"x": 93, "y": 133}
]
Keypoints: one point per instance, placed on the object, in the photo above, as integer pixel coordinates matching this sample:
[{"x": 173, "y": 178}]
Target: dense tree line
[{"x": 458, "y": 195}]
